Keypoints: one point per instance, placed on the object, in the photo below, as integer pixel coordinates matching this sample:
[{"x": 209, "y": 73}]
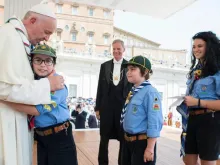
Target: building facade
[{"x": 83, "y": 28}]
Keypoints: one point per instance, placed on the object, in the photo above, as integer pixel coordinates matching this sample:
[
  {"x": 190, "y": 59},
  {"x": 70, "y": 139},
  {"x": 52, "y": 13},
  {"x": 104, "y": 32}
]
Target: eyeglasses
[{"x": 47, "y": 62}]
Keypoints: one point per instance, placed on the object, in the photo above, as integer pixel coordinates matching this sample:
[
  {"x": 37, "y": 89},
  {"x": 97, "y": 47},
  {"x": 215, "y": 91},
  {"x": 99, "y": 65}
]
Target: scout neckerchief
[
  {"x": 129, "y": 97},
  {"x": 19, "y": 26},
  {"x": 183, "y": 109}
]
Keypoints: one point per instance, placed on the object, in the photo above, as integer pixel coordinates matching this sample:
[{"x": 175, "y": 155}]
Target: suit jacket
[
  {"x": 92, "y": 122},
  {"x": 80, "y": 119},
  {"x": 102, "y": 98}
]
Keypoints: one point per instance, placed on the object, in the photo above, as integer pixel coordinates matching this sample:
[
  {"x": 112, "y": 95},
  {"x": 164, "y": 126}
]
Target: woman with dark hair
[{"x": 201, "y": 109}]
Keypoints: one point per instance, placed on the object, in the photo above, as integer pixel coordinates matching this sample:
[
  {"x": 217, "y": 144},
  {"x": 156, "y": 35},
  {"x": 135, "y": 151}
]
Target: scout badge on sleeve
[{"x": 156, "y": 106}]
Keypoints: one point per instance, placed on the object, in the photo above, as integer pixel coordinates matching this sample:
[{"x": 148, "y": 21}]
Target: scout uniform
[
  {"x": 202, "y": 134},
  {"x": 142, "y": 118},
  {"x": 53, "y": 131}
]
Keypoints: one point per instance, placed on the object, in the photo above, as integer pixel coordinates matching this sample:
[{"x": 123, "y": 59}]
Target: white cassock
[{"x": 17, "y": 84}]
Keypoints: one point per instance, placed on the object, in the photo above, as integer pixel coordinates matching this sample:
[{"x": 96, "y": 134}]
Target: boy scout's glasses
[{"x": 47, "y": 62}]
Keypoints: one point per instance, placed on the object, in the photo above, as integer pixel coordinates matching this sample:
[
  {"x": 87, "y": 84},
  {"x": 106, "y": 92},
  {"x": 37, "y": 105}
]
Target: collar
[{"x": 118, "y": 62}]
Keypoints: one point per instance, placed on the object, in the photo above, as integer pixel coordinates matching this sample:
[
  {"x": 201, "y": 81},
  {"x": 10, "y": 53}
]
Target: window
[
  {"x": 74, "y": 36},
  {"x": 74, "y": 10},
  {"x": 105, "y": 52},
  {"x": 59, "y": 36},
  {"x": 106, "y": 14},
  {"x": 82, "y": 29},
  {"x": 66, "y": 27},
  {"x": 72, "y": 90},
  {"x": 59, "y": 8},
  {"x": 106, "y": 39},
  {"x": 91, "y": 11},
  {"x": 90, "y": 37}
]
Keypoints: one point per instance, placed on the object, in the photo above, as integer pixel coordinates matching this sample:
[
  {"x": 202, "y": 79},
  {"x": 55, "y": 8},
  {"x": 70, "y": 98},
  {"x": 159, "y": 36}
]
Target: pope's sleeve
[
  {"x": 57, "y": 98},
  {"x": 30, "y": 92},
  {"x": 154, "y": 114}
]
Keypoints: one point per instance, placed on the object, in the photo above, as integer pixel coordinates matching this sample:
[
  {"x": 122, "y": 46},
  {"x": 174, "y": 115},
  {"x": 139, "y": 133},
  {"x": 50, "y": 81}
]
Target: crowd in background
[{"x": 82, "y": 112}]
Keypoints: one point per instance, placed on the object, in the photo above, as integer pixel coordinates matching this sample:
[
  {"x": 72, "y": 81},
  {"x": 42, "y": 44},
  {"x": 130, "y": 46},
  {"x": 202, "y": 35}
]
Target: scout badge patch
[
  {"x": 156, "y": 106},
  {"x": 134, "y": 109}
]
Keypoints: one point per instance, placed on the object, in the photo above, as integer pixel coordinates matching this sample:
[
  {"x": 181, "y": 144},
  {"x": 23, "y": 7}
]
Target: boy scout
[{"x": 142, "y": 115}]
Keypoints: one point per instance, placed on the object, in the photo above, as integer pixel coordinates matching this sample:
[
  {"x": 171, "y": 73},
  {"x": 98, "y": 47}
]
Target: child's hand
[
  {"x": 190, "y": 101},
  {"x": 148, "y": 155},
  {"x": 52, "y": 73}
]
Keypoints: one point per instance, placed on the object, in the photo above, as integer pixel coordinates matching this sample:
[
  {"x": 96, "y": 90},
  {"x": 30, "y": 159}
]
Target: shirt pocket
[
  {"x": 205, "y": 87},
  {"x": 137, "y": 107}
]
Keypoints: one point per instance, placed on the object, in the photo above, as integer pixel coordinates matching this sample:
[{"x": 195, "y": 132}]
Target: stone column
[{"x": 18, "y": 7}]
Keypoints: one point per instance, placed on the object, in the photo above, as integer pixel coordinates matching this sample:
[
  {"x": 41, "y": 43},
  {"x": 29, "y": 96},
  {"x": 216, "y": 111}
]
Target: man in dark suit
[
  {"x": 113, "y": 88},
  {"x": 92, "y": 122},
  {"x": 80, "y": 116}
]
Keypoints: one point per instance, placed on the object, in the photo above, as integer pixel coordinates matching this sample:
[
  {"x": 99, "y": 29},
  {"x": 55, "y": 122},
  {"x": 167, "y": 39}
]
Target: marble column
[{"x": 18, "y": 7}]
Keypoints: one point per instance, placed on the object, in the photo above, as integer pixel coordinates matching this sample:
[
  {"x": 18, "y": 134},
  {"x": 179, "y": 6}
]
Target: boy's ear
[{"x": 146, "y": 72}]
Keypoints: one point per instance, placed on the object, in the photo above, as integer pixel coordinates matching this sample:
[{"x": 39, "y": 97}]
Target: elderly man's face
[
  {"x": 41, "y": 29},
  {"x": 118, "y": 50}
]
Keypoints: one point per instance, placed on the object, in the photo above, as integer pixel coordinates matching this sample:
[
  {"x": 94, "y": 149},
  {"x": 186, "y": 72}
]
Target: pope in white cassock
[{"x": 17, "y": 82}]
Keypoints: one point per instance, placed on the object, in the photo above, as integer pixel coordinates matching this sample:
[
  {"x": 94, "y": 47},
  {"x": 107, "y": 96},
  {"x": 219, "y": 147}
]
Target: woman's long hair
[{"x": 211, "y": 62}]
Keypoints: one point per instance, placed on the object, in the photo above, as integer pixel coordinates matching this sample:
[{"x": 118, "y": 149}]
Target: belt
[
  {"x": 135, "y": 137},
  {"x": 53, "y": 130},
  {"x": 201, "y": 111}
]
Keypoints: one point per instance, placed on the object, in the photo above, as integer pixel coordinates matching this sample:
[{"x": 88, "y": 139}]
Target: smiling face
[
  {"x": 199, "y": 49},
  {"x": 43, "y": 65},
  {"x": 118, "y": 51},
  {"x": 134, "y": 75}
]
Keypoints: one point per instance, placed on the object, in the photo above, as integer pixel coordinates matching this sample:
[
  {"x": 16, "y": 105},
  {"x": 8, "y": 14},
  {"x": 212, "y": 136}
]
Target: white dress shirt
[{"x": 117, "y": 71}]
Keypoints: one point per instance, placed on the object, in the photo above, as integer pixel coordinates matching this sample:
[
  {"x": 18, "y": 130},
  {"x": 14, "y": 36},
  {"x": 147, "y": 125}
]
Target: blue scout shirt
[
  {"x": 144, "y": 113},
  {"x": 54, "y": 113},
  {"x": 207, "y": 88}
]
